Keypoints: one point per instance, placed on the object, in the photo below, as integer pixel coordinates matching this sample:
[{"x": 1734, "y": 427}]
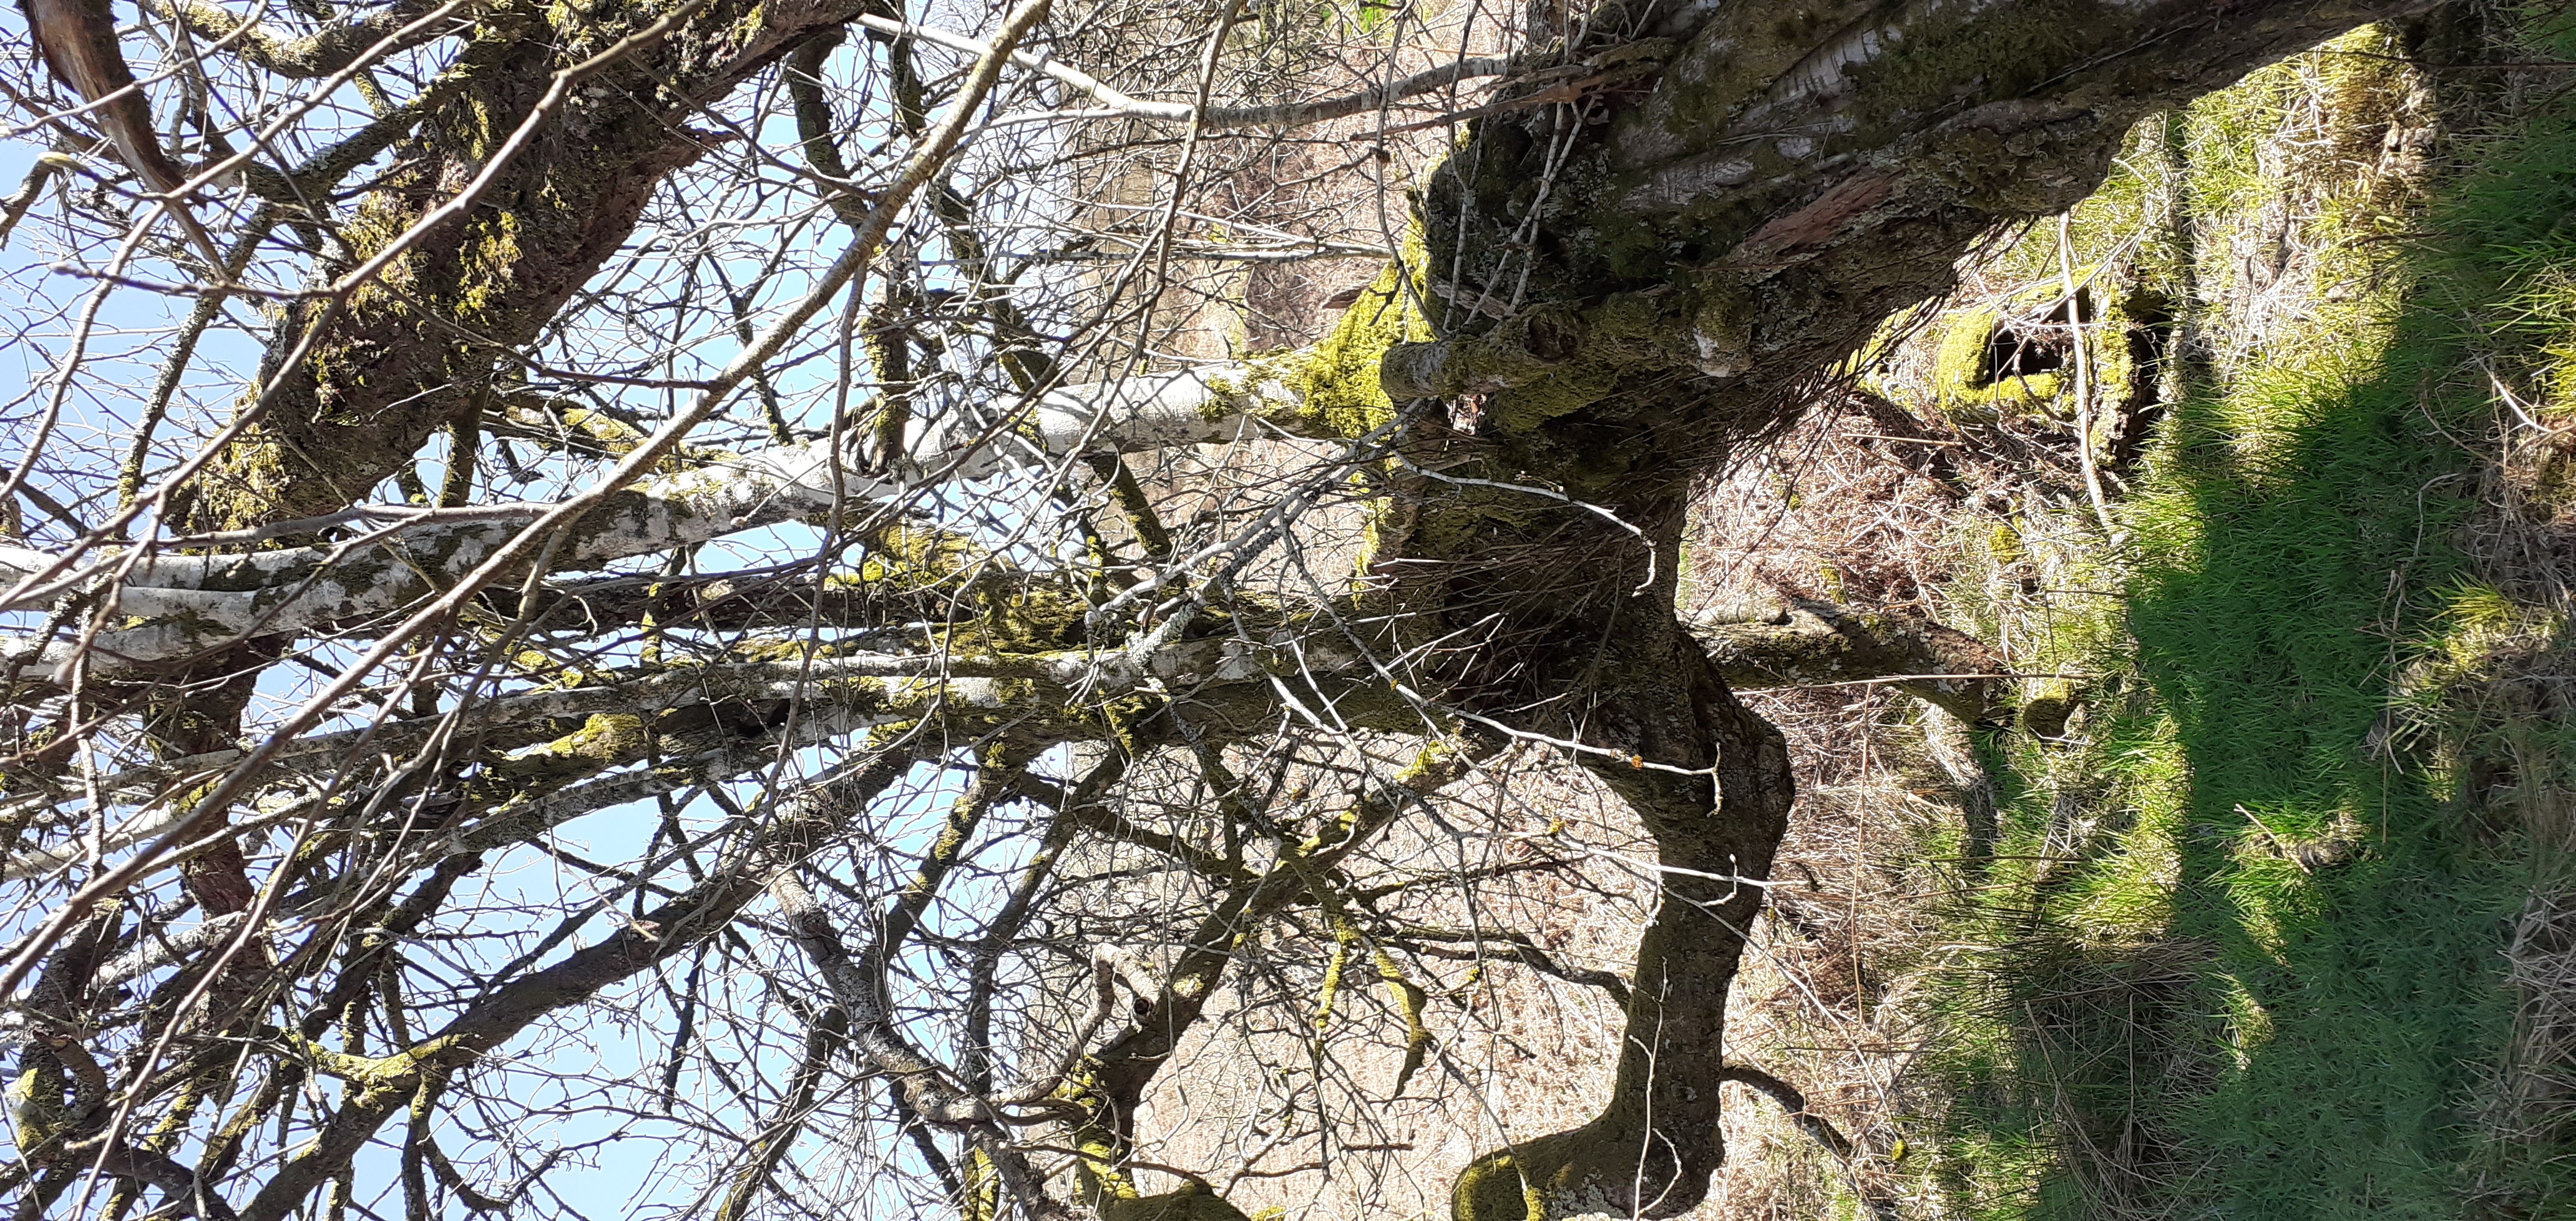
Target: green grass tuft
[{"x": 2240, "y": 950}]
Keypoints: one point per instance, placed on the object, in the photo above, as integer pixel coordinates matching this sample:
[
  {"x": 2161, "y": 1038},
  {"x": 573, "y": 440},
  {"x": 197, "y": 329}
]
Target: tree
[{"x": 743, "y": 421}]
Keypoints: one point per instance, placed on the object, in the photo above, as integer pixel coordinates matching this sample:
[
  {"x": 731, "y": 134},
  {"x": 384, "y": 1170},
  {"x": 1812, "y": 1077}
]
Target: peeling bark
[
  {"x": 1643, "y": 256},
  {"x": 1715, "y": 244},
  {"x": 191, "y": 605}
]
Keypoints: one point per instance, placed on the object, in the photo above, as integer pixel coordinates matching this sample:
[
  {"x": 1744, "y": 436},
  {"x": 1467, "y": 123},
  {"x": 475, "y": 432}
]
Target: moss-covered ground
[{"x": 2239, "y": 944}]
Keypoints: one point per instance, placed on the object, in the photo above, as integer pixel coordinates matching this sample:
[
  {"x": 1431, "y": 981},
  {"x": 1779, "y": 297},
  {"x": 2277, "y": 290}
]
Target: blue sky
[{"x": 604, "y": 1176}]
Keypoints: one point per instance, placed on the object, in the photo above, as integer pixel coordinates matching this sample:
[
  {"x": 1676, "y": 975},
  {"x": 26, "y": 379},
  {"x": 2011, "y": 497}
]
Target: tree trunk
[
  {"x": 1637, "y": 282},
  {"x": 1665, "y": 235}
]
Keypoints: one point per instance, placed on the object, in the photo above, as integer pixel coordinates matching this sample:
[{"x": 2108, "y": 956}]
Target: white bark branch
[
  {"x": 839, "y": 697},
  {"x": 191, "y": 604},
  {"x": 1293, "y": 114}
]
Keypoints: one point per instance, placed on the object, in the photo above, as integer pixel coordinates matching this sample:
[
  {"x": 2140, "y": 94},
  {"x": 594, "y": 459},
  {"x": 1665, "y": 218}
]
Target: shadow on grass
[
  {"x": 2301, "y": 1011},
  {"x": 2356, "y": 999}
]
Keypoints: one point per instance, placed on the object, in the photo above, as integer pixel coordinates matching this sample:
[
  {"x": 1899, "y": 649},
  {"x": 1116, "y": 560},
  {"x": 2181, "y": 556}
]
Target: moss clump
[
  {"x": 36, "y": 1103},
  {"x": 1564, "y": 1174},
  {"x": 1490, "y": 1188},
  {"x": 1963, "y": 382},
  {"x": 1627, "y": 335},
  {"x": 2017, "y": 46},
  {"x": 1973, "y": 376},
  {"x": 603, "y": 741},
  {"x": 486, "y": 261},
  {"x": 377, "y": 1075},
  {"x": 917, "y": 556},
  {"x": 1336, "y": 380},
  {"x": 1189, "y": 1202}
]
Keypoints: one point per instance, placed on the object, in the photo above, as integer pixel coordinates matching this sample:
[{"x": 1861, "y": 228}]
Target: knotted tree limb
[{"x": 335, "y": 46}]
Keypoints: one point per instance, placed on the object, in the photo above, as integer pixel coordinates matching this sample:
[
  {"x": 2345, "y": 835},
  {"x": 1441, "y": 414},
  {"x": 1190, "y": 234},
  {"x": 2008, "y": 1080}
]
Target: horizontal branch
[
  {"x": 192, "y": 604},
  {"x": 714, "y": 722},
  {"x": 1286, "y": 114},
  {"x": 335, "y": 46},
  {"x": 1800, "y": 642}
]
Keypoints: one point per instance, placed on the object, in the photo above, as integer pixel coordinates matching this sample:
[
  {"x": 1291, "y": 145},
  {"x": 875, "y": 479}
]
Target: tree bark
[
  {"x": 1656, "y": 245},
  {"x": 1638, "y": 281},
  {"x": 403, "y": 354}
]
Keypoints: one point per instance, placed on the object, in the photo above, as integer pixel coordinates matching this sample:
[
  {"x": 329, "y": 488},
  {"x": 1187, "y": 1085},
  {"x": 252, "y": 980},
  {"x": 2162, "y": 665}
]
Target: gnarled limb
[
  {"x": 1716, "y": 806},
  {"x": 335, "y": 46},
  {"x": 1729, "y": 237}
]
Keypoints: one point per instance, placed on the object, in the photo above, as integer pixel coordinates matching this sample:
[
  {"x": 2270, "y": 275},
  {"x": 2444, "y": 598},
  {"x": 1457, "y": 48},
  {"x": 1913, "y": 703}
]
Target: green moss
[
  {"x": 1108, "y": 1189},
  {"x": 1564, "y": 1174},
  {"x": 1493, "y": 1188},
  {"x": 2182, "y": 1016},
  {"x": 603, "y": 741},
  {"x": 1964, "y": 383},
  {"x": 485, "y": 262},
  {"x": 36, "y": 1101},
  {"x": 2015, "y": 46},
  {"x": 917, "y": 557},
  {"x": 1626, "y": 336},
  {"x": 1336, "y": 380}
]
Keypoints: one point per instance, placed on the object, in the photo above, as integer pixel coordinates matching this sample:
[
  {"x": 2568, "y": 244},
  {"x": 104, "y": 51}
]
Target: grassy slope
[{"x": 2173, "y": 1015}]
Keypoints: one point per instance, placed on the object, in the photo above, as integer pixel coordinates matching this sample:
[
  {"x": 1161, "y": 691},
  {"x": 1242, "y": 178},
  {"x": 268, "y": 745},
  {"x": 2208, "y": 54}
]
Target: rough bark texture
[
  {"x": 1641, "y": 281},
  {"x": 412, "y": 347},
  {"x": 1626, "y": 273}
]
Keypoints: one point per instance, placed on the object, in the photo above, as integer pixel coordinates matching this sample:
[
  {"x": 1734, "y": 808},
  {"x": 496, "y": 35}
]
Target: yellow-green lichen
[
  {"x": 1973, "y": 378},
  {"x": 1493, "y": 1188},
  {"x": 36, "y": 1102},
  {"x": 1963, "y": 378},
  {"x": 1335, "y": 380},
  {"x": 603, "y": 741}
]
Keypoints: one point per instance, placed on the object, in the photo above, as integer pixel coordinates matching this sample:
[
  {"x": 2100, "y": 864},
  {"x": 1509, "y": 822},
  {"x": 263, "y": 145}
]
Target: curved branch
[
  {"x": 330, "y": 49},
  {"x": 1795, "y": 1103}
]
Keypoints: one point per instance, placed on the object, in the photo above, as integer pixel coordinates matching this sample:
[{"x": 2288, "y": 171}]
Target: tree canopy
[{"x": 744, "y": 525}]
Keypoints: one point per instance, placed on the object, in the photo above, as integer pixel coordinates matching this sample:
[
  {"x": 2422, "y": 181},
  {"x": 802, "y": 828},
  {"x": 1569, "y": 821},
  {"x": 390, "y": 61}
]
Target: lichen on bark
[
  {"x": 410, "y": 348},
  {"x": 1783, "y": 189}
]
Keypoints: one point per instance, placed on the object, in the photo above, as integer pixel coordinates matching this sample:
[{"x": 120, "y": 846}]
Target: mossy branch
[{"x": 334, "y": 47}]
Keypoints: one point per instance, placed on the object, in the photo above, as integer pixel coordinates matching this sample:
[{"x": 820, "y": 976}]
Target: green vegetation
[{"x": 2239, "y": 945}]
